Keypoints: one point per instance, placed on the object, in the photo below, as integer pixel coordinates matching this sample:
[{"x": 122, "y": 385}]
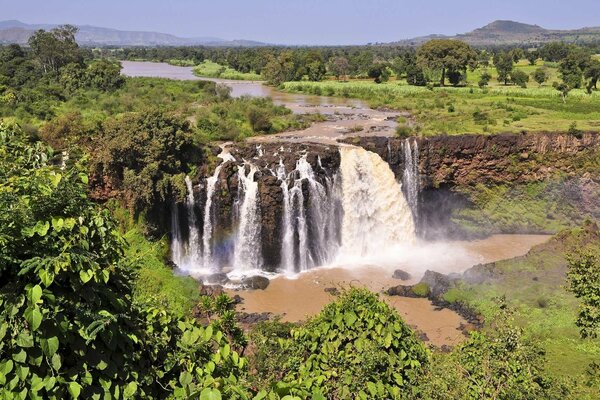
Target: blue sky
[{"x": 304, "y": 22}]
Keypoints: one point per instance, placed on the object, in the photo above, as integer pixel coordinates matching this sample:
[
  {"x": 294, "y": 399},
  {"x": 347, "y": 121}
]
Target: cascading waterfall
[
  {"x": 208, "y": 228},
  {"x": 410, "y": 177},
  {"x": 247, "y": 254},
  {"x": 377, "y": 218},
  {"x": 309, "y": 231},
  {"x": 355, "y": 215},
  {"x": 194, "y": 255}
]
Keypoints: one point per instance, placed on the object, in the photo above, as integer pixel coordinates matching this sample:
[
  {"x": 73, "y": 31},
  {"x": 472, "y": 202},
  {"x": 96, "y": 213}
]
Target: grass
[
  {"x": 469, "y": 109},
  {"x": 211, "y": 69},
  {"x": 155, "y": 281},
  {"x": 534, "y": 286}
]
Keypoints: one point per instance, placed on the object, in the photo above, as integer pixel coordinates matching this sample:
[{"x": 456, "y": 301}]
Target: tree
[
  {"x": 415, "y": 75},
  {"x": 563, "y": 88},
  {"x": 519, "y": 78},
  {"x": 484, "y": 79},
  {"x": 592, "y": 74},
  {"x": 584, "y": 281},
  {"x": 68, "y": 325},
  {"x": 572, "y": 66},
  {"x": 338, "y": 66},
  {"x": 451, "y": 57},
  {"x": 517, "y": 54},
  {"x": 379, "y": 72},
  {"x": 279, "y": 69},
  {"x": 540, "y": 75},
  {"x": 532, "y": 57},
  {"x": 366, "y": 351},
  {"x": 139, "y": 154},
  {"x": 504, "y": 66},
  {"x": 105, "y": 76},
  {"x": 56, "y": 48},
  {"x": 314, "y": 66}
]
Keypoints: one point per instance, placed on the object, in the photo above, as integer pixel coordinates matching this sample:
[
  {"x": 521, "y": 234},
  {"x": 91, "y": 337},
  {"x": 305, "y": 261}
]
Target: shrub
[{"x": 356, "y": 347}]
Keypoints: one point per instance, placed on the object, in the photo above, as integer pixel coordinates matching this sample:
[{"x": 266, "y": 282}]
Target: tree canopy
[{"x": 450, "y": 57}]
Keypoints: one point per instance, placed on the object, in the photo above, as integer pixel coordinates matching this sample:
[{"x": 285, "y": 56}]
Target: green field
[
  {"x": 213, "y": 70},
  {"x": 469, "y": 109}
]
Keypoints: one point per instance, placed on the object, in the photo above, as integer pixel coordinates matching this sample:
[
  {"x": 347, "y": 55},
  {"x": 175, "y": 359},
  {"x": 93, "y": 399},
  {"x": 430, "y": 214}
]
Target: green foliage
[
  {"x": 501, "y": 364},
  {"x": 214, "y": 70},
  {"x": 421, "y": 289},
  {"x": 451, "y": 57},
  {"x": 540, "y": 75},
  {"x": 584, "y": 281},
  {"x": 519, "y": 78},
  {"x": 68, "y": 325},
  {"x": 56, "y": 48},
  {"x": 140, "y": 154},
  {"x": 504, "y": 66},
  {"x": 356, "y": 347}
]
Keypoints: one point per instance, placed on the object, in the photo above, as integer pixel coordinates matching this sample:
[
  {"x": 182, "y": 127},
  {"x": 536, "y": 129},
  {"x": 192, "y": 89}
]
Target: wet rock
[
  {"x": 253, "y": 318},
  {"x": 401, "y": 290},
  {"x": 332, "y": 291},
  {"x": 255, "y": 282},
  {"x": 401, "y": 274},
  {"x": 220, "y": 278},
  {"x": 211, "y": 290},
  {"x": 438, "y": 283}
]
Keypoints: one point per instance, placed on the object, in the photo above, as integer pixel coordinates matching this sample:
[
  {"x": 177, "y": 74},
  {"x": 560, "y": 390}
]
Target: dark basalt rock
[
  {"x": 211, "y": 290},
  {"x": 255, "y": 282},
  {"x": 438, "y": 283},
  {"x": 332, "y": 291},
  {"x": 253, "y": 318},
  {"x": 402, "y": 290},
  {"x": 220, "y": 278},
  {"x": 401, "y": 274}
]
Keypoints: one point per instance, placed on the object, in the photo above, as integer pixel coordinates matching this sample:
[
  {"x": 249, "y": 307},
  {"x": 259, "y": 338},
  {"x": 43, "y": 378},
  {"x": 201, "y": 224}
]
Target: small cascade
[
  {"x": 287, "y": 241},
  {"x": 208, "y": 228},
  {"x": 410, "y": 177},
  {"x": 194, "y": 255},
  {"x": 247, "y": 251},
  {"x": 178, "y": 248},
  {"x": 309, "y": 226},
  {"x": 377, "y": 217}
]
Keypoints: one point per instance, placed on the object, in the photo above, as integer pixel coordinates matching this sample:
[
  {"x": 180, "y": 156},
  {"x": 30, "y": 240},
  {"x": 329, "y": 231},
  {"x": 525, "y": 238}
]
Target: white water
[
  {"x": 410, "y": 177},
  {"x": 377, "y": 219},
  {"x": 355, "y": 217},
  {"x": 208, "y": 220},
  {"x": 247, "y": 251},
  {"x": 193, "y": 256}
]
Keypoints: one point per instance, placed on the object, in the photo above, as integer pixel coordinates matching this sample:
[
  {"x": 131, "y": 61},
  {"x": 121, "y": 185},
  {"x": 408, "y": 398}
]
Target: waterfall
[
  {"x": 208, "y": 228},
  {"x": 358, "y": 214},
  {"x": 247, "y": 250},
  {"x": 410, "y": 177},
  {"x": 309, "y": 232},
  {"x": 177, "y": 246},
  {"x": 194, "y": 251},
  {"x": 377, "y": 218},
  {"x": 287, "y": 241}
]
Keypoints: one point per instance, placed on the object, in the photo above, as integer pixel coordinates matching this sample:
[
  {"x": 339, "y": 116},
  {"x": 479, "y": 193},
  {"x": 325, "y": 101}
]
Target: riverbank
[{"x": 294, "y": 298}]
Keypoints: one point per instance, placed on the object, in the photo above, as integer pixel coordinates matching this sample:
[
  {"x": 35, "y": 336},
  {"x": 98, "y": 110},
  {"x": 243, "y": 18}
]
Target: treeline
[{"x": 280, "y": 64}]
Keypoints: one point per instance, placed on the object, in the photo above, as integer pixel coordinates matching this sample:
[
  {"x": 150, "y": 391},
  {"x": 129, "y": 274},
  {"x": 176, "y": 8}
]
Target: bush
[{"x": 356, "y": 347}]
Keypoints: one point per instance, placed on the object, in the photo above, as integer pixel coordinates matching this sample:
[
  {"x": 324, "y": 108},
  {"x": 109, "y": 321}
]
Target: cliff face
[{"x": 472, "y": 159}]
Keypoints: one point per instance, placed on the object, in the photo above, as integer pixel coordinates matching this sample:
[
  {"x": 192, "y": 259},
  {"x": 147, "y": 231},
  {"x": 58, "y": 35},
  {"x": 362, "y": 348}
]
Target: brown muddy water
[{"x": 296, "y": 298}]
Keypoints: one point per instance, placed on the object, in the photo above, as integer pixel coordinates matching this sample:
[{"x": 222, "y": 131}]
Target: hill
[
  {"x": 13, "y": 31},
  {"x": 504, "y": 32}
]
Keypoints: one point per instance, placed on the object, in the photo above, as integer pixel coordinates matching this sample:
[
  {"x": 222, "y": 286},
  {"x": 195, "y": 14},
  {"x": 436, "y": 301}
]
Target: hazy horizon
[{"x": 303, "y": 23}]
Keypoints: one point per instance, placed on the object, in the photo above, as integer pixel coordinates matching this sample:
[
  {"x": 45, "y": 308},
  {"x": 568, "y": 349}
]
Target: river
[{"x": 343, "y": 116}]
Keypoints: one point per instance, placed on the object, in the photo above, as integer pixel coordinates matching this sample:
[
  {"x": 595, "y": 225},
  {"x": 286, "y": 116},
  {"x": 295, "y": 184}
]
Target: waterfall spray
[{"x": 410, "y": 177}]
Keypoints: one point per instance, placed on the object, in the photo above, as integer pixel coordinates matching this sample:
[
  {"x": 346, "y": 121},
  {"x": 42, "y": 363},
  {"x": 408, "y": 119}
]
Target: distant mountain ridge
[
  {"x": 13, "y": 31},
  {"x": 505, "y": 32}
]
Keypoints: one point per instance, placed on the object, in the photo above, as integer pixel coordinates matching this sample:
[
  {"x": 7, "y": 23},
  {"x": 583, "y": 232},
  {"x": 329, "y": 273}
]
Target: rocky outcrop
[{"x": 471, "y": 159}]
